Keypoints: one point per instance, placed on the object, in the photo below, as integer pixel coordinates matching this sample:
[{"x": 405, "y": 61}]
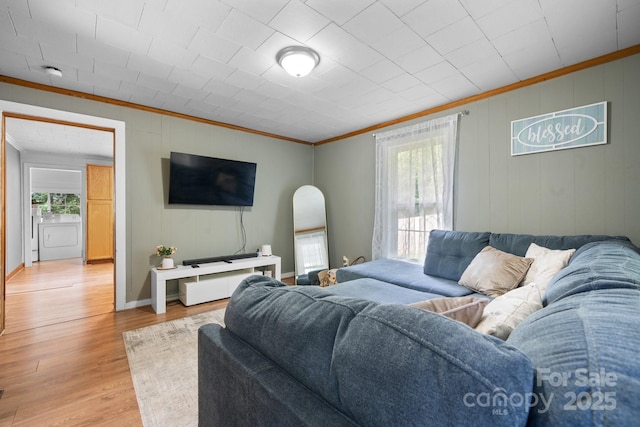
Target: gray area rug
[{"x": 163, "y": 360}]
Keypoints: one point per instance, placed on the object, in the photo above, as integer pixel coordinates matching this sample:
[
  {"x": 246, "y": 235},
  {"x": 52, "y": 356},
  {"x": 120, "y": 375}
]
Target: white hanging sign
[{"x": 572, "y": 128}]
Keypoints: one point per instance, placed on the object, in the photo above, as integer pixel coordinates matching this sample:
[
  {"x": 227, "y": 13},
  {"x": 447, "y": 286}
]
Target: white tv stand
[{"x": 244, "y": 267}]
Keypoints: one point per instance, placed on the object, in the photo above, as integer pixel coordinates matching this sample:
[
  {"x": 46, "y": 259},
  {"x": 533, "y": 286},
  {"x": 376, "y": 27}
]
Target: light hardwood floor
[{"x": 62, "y": 356}]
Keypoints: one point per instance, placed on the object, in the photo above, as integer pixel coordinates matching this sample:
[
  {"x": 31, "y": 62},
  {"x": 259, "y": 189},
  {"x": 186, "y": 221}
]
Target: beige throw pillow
[
  {"x": 463, "y": 309},
  {"x": 494, "y": 272},
  {"x": 546, "y": 263},
  {"x": 505, "y": 312}
]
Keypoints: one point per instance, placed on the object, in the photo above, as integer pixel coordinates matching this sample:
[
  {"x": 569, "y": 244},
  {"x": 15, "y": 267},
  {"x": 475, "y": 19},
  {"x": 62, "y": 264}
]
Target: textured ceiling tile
[
  {"x": 211, "y": 68},
  {"x": 115, "y": 34},
  {"x": 64, "y": 15},
  {"x": 534, "y": 33},
  {"x": 213, "y": 46},
  {"x": 533, "y": 60},
  {"x": 251, "y": 62},
  {"x": 122, "y": 11},
  {"x": 471, "y": 53},
  {"x": 23, "y": 45},
  {"x": 187, "y": 78},
  {"x": 174, "y": 27},
  {"x": 510, "y": 17},
  {"x": 244, "y": 30},
  {"x": 366, "y": 25},
  {"x": 419, "y": 59},
  {"x": 263, "y": 11},
  {"x": 52, "y": 54},
  {"x": 489, "y": 73},
  {"x": 149, "y": 66},
  {"x": 43, "y": 32},
  {"x": 456, "y": 35},
  {"x": 382, "y": 71},
  {"x": 436, "y": 73},
  {"x": 479, "y": 8},
  {"x": 339, "y": 11},
  {"x": 88, "y": 46},
  {"x": 115, "y": 72},
  {"x": 455, "y": 86},
  {"x": 628, "y": 27},
  {"x": 398, "y": 43},
  {"x": 298, "y": 21},
  {"x": 169, "y": 53},
  {"x": 434, "y": 15},
  {"x": 402, "y": 7},
  {"x": 401, "y": 83}
]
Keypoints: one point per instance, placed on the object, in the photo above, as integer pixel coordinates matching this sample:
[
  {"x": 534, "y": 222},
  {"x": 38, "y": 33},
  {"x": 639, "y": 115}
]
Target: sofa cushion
[
  {"x": 584, "y": 350},
  {"x": 493, "y": 272},
  {"x": 467, "y": 310},
  {"x": 382, "y": 292},
  {"x": 505, "y": 312},
  {"x": 450, "y": 252},
  {"x": 584, "y": 343},
  {"x": 380, "y": 364},
  {"x": 546, "y": 263},
  {"x": 403, "y": 274},
  {"x": 604, "y": 265},
  {"x": 518, "y": 244}
]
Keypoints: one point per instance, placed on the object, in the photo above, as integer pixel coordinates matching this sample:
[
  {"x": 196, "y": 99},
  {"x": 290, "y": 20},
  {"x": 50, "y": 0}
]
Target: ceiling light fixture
[
  {"x": 298, "y": 60},
  {"x": 53, "y": 71}
]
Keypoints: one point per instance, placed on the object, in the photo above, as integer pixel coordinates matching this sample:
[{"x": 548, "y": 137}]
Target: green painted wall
[
  {"x": 591, "y": 190},
  {"x": 196, "y": 231}
]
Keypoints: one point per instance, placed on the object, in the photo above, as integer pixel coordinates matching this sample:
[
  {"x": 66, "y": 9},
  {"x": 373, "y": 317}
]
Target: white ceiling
[
  {"x": 380, "y": 60},
  {"x": 29, "y": 135}
]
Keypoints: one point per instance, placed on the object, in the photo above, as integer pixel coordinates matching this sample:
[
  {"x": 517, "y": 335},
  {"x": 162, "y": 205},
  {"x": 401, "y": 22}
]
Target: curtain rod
[{"x": 459, "y": 113}]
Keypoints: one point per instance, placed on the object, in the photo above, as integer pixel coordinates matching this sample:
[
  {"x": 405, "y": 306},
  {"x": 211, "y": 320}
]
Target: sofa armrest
[{"x": 238, "y": 386}]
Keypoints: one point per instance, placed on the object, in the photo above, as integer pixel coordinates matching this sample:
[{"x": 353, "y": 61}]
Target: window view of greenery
[{"x": 56, "y": 203}]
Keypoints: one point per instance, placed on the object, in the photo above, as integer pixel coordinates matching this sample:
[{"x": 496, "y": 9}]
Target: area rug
[{"x": 163, "y": 360}]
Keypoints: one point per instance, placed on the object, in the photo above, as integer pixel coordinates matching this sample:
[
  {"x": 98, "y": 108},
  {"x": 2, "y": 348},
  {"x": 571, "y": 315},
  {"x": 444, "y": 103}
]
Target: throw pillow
[
  {"x": 467, "y": 310},
  {"x": 494, "y": 272},
  {"x": 505, "y": 312},
  {"x": 546, "y": 263}
]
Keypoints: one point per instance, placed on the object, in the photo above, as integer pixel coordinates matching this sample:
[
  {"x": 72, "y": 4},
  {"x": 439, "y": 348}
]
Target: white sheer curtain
[{"x": 414, "y": 187}]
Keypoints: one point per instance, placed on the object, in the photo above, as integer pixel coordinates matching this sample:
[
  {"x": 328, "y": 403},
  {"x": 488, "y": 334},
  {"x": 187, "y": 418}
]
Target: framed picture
[{"x": 572, "y": 128}]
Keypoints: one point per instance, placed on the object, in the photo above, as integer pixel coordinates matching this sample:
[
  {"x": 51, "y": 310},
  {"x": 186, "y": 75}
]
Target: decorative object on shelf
[
  {"x": 298, "y": 60},
  {"x": 166, "y": 252},
  {"x": 266, "y": 250}
]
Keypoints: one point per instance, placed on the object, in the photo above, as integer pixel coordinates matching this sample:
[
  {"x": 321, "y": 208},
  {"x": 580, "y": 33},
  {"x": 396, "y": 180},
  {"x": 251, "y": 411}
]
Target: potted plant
[{"x": 166, "y": 252}]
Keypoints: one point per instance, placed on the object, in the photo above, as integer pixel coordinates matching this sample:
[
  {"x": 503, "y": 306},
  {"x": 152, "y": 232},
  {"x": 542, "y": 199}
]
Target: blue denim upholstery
[
  {"x": 449, "y": 253},
  {"x": 584, "y": 344},
  {"x": 378, "y": 365},
  {"x": 518, "y": 244},
  {"x": 381, "y": 292},
  {"x": 296, "y": 356},
  {"x": 402, "y": 274}
]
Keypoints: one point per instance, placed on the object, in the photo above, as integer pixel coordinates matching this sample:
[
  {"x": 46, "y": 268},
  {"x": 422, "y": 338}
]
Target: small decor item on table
[{"x": 166, "y": 252}]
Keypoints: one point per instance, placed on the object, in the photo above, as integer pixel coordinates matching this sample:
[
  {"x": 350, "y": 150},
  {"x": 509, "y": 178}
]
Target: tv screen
[{"x": 200, "y": 180}]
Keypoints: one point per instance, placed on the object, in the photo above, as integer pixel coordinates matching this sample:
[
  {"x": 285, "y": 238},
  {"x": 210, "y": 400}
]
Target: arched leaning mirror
[{"x": 310, "y": 231}]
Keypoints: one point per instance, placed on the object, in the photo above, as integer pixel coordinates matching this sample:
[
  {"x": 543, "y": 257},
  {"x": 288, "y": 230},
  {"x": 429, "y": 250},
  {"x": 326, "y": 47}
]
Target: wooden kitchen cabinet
[{"x": 99, "y": 213}]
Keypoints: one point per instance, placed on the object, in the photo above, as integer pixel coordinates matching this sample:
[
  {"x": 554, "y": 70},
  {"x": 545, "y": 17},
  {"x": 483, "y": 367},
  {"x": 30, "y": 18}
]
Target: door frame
[{"x": 117, "y": 127}]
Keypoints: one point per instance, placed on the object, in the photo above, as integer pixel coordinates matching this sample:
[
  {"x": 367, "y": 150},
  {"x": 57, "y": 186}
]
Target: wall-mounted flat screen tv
[{"x": 200, "y": 180}]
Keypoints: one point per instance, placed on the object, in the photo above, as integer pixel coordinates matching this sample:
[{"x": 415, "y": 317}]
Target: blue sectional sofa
[{"x": 304, "y": 355}]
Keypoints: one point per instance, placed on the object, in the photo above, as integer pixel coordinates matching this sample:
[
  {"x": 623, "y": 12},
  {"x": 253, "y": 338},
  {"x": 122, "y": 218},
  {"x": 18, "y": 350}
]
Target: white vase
[{"x": 167, "y": 262}]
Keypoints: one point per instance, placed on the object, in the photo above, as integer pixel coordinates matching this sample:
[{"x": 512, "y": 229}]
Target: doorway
[{"x": 116, "y": 129}]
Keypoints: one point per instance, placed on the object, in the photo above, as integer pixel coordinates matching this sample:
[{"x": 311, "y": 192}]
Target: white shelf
[{"x": 159, "y": 277}]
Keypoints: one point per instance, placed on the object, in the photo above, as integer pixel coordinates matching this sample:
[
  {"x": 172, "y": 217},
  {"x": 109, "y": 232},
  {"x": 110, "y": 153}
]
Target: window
[
  {"x": 414, "y": 187},
  {"x": 57, "y": 203}
]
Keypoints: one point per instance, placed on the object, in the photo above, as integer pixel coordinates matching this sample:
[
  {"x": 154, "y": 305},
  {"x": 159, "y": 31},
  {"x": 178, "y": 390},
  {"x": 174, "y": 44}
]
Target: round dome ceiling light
[
  {"x": 53, "y": 71},
  {"x": 298, "y": 60}
]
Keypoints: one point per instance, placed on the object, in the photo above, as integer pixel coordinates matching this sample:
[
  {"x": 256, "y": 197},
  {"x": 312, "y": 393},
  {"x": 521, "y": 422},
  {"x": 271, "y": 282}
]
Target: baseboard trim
[{"x": 15, "y": 271}]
